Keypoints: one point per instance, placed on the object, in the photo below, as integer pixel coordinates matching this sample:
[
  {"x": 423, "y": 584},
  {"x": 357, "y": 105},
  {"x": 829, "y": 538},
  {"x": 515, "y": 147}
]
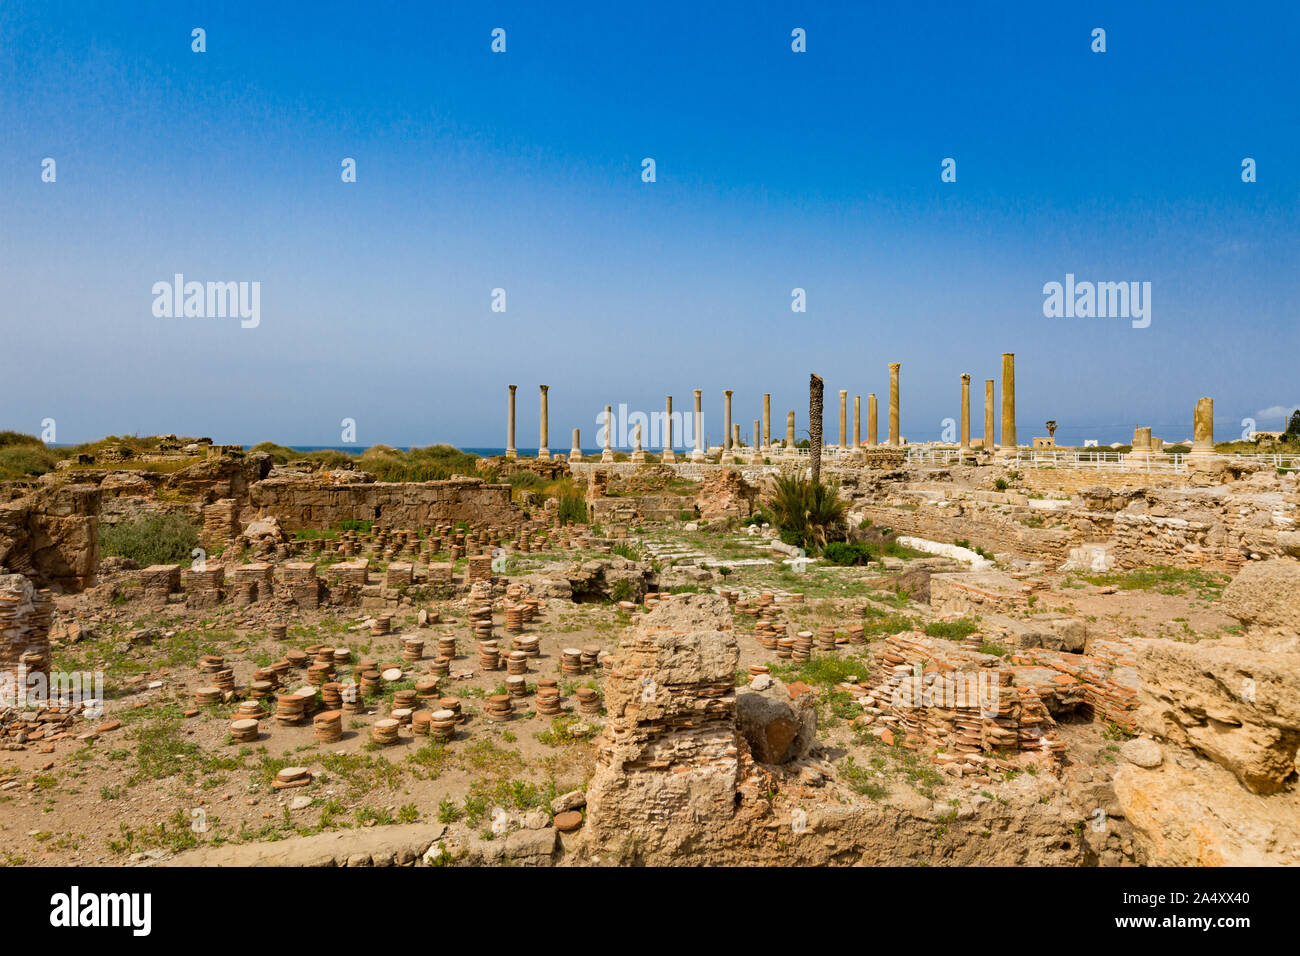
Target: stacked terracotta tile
[
  {"x": 480, "y": 568},
  {"x": 303, "y": 584},
  {"x": 964, "y": 704},
  {"x": 398, "y": 575},
  {"x": 159, "y": 580},
  {"x": 1107, "y": 679},
  {"x": 221, "y": 521},
  {"x": 259, "y": 575},
  {"x": 203, "y": 585}
]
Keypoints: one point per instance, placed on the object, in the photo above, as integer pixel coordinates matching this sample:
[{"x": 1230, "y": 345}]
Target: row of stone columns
[{"x": 763, "y": 437}]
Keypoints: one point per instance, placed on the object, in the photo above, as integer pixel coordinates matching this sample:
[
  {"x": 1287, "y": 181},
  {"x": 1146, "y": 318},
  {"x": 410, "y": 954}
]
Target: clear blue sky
[{"x": 522, "y": 171}]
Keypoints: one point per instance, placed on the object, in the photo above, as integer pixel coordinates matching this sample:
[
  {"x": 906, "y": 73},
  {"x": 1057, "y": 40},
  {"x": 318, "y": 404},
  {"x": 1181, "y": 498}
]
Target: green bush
[
  {"x": 158, "y": 539},
  {"x": 808, "y": 516},
  {"x": 843, "y": 554},
  {"x": 573, "y": 508},
  {"x": 20, "y": 460}
]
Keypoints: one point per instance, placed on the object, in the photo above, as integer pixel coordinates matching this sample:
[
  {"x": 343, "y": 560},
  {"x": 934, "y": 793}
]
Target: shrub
[
  {"x": 573, "y": 508},
  {"x": 840, "y": 553},
  {"x": 23, "y": 460},
  {"x": 158, "y": 539},
  {"x": 807, "y": 515}
]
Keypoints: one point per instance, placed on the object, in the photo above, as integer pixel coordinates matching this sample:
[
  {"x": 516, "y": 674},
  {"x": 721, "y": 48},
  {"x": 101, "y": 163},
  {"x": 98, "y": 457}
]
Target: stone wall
[
  {"x": 24, "y": 635},
  {"x": 1218, "y": 527},
  {"x": 52, "y": 535},
  {"x": 311, "y": 503}
]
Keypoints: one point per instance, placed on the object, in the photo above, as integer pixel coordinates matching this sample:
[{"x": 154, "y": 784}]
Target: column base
[
  {"x": 575, "y": 455},
  {"x": 697, "y": 455},
  {"x": 668, "y": 458},
  {"x": 511, "y": 453},
  {"x": 606, "y": 455},
  {"x": 727, "y": 458},
  {"x": 543, "y": 454},
  {"x": 638, "y": 457},
  {"x": 1201, "y": 452}
]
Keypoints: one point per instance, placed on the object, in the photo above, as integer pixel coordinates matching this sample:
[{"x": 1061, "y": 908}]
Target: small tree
[{"x": 1293, "y": 427}]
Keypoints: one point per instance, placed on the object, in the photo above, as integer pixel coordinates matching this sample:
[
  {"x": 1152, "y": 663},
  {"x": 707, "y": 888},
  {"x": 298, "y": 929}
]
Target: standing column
[
  {"x": 989, "y": 433},
  {"x": 607, "y": 453},
  {"x": 767, "y": 422},
  {"x": 543, "y": 453},
  {"x": 510, "y": 424},
  {"x": 844, "y": 412},
  {"x": 638, "y": 453},
  {"x": 857, "y": 422},
  {"x": 965, "y": 412},
  {"x": 893, "y": 402},
  {"x": 1009, "y": 403},
  {"x": 576, "y": 453},
  {"x": 758, "y": 435},
  {"x": 1203, "y": 428},
  {"x": 871, "y": 419},
  {"x": 789, "y": 434},
  {"x": 698, "y": 453},
  {"x": 727, "y": 457},
  {"x": 668, "y": 457}
]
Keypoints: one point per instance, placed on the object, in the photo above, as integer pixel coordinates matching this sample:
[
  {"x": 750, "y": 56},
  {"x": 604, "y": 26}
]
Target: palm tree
[{"x": 815, "y": 388}]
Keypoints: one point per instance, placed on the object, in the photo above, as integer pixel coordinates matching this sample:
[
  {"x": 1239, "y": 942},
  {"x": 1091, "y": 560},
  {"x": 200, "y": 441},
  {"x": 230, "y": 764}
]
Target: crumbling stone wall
[
  {"x": 52, "y": 535},
  {"x": 1218, "y": 527},
  {"x": 302, "y": 502},
  {"x": 667, "y": 763},
  {"x": 25, "y": 614}
]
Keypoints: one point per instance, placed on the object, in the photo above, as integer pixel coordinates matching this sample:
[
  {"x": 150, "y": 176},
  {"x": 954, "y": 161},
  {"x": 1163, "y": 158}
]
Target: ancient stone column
[
  {"x": 990, "y": 435},
  {"x": 767, "y": 422},
  {"x": 668, "y": 457},
  {"x": 698, "y": 453},
  {"x": 857, "y": 422},
  {"x": 638, "y": 453},
  {"x": 543, "y": 453},
  {"x": 510, "y": 424},
  {"x": 758, "y": 435},
  {"x": 727, "y": 456},
  {"x": 789, "y": 434},
  {"x": 1009, "y": 403},
  {"x": 893, "y": 403},
  {"x": 576, "y": 453},
  {"x": 844, "y": 425},
  {"x": 816, "y": 390},
  {"x": 871, "y": 419},
  {"x": 1203, "y": 428},
  {"x": 965, "y": 412},
  {"x": 1141, "y": 444},
  {"x": 607, "y": 453}
]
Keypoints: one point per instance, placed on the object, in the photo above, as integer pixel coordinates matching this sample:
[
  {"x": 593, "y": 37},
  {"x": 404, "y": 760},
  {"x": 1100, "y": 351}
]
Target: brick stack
[
  {"x": 159, "y": 580},
  {"x": 221, "y": 521},
  {"x": 259, "y": 576},
  {"x": 398, "y": 575},
  {"x": 967, "y": 705},
  {"x": 203, "y": 588},
  {"x": 303, "y": 584}
]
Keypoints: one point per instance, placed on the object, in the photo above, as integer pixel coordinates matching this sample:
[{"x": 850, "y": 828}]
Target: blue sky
[{"x": 522, "y": 171}]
